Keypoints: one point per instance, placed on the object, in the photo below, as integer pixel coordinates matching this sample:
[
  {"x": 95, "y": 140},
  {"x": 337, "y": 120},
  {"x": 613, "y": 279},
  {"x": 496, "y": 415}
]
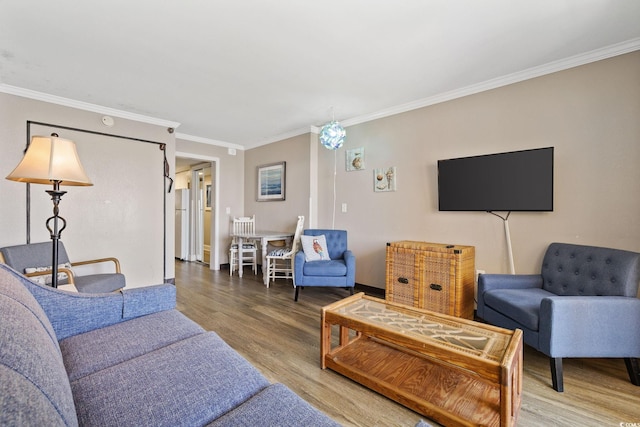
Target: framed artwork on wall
[
  {"x": 384, "y": 179},
  {"x": 207, "y": 206},
  {"x": 355, "y": 159},
  {"x": 271, "y": 182}
]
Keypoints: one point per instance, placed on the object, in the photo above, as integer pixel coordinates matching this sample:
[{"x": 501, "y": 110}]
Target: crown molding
[
  {"x": 53, "y": 99},
  {"x": 549, "y": 68},
  {"x": 208, "y": 141}
]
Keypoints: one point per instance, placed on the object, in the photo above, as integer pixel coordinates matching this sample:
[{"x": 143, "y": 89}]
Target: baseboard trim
[{"x": 370, "y": 290}]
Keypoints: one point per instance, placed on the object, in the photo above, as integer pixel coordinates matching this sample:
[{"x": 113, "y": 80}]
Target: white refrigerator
[{"x": 182, "y": 224}]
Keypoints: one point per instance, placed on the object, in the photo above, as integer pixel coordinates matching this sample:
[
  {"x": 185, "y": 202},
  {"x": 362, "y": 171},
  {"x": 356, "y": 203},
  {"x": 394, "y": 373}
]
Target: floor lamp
[{"x": 54, "y": 161}]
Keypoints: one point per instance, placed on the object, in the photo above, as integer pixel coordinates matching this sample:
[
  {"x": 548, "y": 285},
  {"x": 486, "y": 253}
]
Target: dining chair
[
  {"x": 248, "y": 253},
  {"x": 280, "y": 261}
]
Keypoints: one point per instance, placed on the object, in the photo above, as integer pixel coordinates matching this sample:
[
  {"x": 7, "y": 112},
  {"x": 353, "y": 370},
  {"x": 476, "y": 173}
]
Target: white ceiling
[{"x": 248, "y": 72}]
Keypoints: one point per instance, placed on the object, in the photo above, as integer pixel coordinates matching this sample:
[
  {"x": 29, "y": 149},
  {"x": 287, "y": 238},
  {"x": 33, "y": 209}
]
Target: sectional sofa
[{"x": 129, "y": 359}]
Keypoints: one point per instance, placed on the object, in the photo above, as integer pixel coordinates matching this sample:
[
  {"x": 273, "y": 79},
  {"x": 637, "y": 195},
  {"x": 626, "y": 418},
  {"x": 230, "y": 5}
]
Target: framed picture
[
  {"x": 207, "y": 206},
  {"x": 355, "y": 159},
  {"x": 271, "y": 182},
  {"x": 384, "y": 179}
]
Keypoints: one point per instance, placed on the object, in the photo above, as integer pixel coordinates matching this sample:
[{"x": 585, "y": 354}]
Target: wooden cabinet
[{"x": 432, "y": 276}]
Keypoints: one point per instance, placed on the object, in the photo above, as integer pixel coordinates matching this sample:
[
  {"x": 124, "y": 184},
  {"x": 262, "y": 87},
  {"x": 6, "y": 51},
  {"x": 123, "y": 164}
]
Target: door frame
[{"x": 214, "y": 260}]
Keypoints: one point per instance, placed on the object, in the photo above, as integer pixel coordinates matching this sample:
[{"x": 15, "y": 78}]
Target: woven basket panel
[
  {"x": 451, "y": 268},
  {"x": 437, "y": 271},
  {"x": 400, "y": 266}
]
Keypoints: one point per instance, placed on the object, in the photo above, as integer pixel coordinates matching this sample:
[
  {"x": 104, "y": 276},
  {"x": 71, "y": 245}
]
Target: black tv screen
[{"x": 514, "y": 181}]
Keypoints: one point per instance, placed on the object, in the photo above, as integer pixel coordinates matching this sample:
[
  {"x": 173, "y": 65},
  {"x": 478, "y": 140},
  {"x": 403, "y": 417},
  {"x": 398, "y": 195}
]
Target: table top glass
[{"x": 469, "y": 337}]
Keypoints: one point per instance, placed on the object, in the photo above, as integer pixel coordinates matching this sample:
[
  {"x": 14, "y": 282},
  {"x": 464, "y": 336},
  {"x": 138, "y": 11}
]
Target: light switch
[
  {"x": 228, "y": 211},
  {"x": 344, "y": 208}
]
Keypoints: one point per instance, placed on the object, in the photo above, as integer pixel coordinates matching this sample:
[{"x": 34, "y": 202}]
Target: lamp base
[{"x": 55, "y": 231}]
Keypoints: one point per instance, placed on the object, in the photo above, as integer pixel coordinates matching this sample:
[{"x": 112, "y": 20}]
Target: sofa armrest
[
  {"x": 350, "y": 261},
  {"x": 298, "y": 265},
  {"x": 149, "y": 299},
  {"x": 488, "y": 282},
  {"x": 590, "y": 326}
]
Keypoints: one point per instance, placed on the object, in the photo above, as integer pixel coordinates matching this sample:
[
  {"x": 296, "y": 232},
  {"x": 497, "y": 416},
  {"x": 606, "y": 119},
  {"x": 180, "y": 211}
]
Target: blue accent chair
[
  {"x": 339, "y": 272},
  {"x": 583, "y": 304}
]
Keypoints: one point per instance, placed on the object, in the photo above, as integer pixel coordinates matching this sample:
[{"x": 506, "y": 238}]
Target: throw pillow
[
  {"x": 315, "y": 248},
  {"x": 45, "y": 279}
]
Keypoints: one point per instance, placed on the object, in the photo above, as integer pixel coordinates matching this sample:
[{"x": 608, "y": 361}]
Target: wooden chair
[
  {"x": 248, "y": 253},
  {"x": 280, "y": 261}
]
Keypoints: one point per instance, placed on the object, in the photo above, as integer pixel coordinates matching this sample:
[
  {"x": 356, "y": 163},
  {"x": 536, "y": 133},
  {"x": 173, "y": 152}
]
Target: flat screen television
[{"x": 513, "y": 181}]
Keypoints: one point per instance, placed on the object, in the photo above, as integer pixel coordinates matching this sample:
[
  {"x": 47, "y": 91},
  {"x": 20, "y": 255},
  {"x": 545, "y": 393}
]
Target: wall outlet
[
  {"x": 344, "y": 208},
  {"x": 479, "y": 272},
  {"x": 228, "y": 211}
]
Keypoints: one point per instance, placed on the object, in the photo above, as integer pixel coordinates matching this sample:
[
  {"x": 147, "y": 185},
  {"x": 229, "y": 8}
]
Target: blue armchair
[
  {"x": 339, "y": 272},
  {"x": 583, "y": 304}
]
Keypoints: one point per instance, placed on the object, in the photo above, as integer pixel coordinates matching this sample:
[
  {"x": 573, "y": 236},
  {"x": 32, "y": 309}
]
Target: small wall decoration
[
  {"x": 384, "y": 179},
  {"x": 271, "y": 182},
  {"x": 355, "y": 159}
]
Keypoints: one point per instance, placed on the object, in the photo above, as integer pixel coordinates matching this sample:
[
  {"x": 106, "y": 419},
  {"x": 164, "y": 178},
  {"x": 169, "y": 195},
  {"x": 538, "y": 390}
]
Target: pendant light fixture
[{"x": 332, "y": 134}]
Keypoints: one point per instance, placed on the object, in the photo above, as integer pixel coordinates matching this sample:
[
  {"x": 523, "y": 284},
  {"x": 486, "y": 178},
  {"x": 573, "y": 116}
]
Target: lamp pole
[{"x": 55, "y": 231}]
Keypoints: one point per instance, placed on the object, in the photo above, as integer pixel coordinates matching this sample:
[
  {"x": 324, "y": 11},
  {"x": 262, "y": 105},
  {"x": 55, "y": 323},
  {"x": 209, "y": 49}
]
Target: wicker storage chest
[{"x": 432, "y": 276}]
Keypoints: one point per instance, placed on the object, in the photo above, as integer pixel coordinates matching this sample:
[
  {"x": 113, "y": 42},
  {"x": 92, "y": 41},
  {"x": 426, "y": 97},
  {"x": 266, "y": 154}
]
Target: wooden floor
[{"x": 282, "y": 339}]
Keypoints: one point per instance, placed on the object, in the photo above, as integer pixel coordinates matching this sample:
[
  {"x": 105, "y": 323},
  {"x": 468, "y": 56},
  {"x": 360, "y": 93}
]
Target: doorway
[{"x": 199, "y": 175}]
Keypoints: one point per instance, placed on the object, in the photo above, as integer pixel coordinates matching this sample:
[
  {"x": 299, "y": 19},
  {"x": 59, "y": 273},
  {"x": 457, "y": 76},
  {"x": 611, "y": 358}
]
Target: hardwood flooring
[{"x": 281, "y": 338}]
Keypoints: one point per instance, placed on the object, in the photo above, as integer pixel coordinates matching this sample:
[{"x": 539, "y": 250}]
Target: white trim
[
  {"x": 208, "y": 141},
  {"x": 214, "y": 262},
  {"x": 286, "y": 135},
  {"x": 67, "y": 102},
  {"x": 552, "y": 67}
]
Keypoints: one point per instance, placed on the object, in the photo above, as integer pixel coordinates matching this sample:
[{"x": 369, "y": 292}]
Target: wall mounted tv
[{"x": 513, "y": 181}]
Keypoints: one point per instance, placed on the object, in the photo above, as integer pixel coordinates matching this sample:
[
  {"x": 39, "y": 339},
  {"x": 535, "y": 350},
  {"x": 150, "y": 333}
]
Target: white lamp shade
[{"x": 50, "y": 159}]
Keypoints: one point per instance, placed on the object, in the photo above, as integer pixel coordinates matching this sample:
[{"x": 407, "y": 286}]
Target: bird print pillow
[{"x": 315, "y": 248}]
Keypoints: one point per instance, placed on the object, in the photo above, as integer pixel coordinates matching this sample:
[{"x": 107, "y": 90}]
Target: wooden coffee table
[{"x": 455, "y": 371}]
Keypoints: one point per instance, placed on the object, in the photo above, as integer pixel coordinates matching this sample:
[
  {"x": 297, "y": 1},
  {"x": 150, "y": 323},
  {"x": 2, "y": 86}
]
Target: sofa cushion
[
  {"x": 520, "y": 305},
  {"x": 101, "y": 348},
  {"x": 191, "y": 382},
  {"x": 333, "y": 268},
  {"x": 34, "y": 388},
  {"x": 275, "y": 406}
]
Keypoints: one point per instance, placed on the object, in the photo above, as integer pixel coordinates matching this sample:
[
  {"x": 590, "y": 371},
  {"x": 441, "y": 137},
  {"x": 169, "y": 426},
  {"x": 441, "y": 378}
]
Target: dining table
[{"x": 264, "y": 237}]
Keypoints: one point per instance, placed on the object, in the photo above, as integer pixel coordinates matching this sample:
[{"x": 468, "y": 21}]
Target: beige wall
[
  {"x": 279, "y": 215},
  {"x": 103, "y": 220},
  {"x": 590, "y": 114}
]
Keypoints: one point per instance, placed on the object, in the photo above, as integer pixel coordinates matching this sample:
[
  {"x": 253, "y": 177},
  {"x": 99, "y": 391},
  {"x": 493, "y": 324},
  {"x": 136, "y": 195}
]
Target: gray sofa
[{"x": 128, "y": 359}]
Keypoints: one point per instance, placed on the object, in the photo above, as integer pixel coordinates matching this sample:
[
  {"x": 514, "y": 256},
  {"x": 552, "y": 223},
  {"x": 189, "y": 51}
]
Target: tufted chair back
[
  {"x": 590, "y": 271},
  {"x": 336, "y": 240}
]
